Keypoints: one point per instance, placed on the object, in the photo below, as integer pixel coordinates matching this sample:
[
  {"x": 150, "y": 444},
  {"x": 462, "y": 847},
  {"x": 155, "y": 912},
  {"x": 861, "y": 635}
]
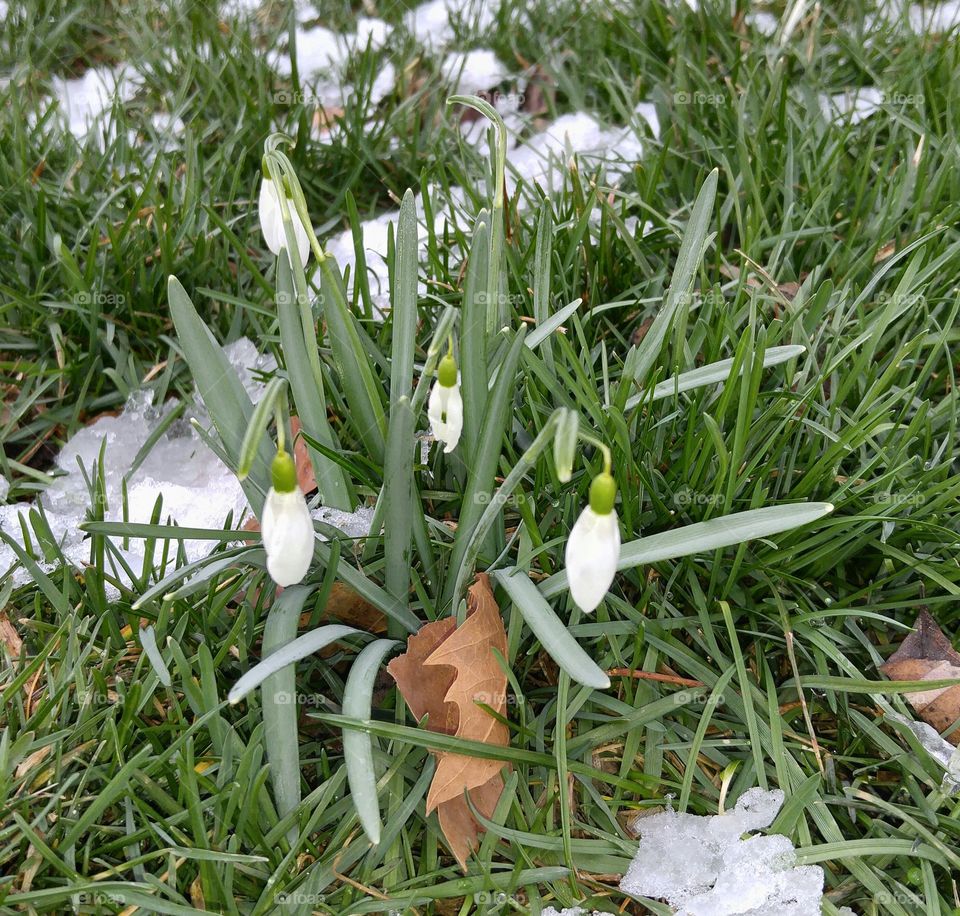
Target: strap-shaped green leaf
[
  {"x": 710, "y": 535},
  {"x": 550, "y": 629},
  {"x": 358, "y": 745}
]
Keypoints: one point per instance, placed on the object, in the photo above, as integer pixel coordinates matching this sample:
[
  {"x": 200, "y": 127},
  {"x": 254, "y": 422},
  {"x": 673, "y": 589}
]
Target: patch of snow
[
  {"x": 535, "y": 159},
  {"x": 323, "y": 56},
  {"x": 942, "y": 751},
  {"x": 82, "y": 101},
  {"x": 570, "y": 911},
  {"x": 577, "y": 133},
  {"x": 198, "y": 490},
  {"x": 855, "y": 105},
  {"x": 356, "y": 524},
  {"x": 765, "y": 23},
  {"x": 434, "y": 23},
  {"x": 239, "y": 7},
  {"x": 475, "y": 71},
  {"x": 935, "y": 19},
  {"x": 4, "y": 488},
  {"x": 702, "y": 867}
]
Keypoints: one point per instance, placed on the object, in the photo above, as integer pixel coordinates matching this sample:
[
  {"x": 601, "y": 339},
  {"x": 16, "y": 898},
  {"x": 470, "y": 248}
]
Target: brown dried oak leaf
[
  {"x": 445, "y": 672},
  {"x": 928, "y": 655}
]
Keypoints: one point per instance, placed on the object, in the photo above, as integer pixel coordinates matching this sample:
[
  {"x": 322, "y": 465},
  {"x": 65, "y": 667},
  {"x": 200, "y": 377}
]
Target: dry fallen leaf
[
  {"x": 928, "y": 655},
  {"x": 9, "y": 637},
  {"x": 445, "y": 672}
]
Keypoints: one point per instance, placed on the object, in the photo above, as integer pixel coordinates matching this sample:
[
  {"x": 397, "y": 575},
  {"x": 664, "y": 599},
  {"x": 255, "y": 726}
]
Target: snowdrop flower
[
  {"x": 271, "y": 221},
  {"x": 593, "y": 547},
  {"x": 445, "y": 407},
  {"x": 286, "y": 525}
]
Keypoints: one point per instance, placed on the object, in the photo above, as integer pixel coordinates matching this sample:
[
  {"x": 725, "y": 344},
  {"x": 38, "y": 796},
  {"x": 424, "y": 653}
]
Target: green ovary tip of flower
[
  {"x": 283, "y": 472},
  {"x": 603, "y": 493},
  {"x": 447, "y": 372}
]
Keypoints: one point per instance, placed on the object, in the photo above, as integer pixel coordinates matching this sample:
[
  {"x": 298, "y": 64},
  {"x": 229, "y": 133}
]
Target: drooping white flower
[
  {"x": 271, "y": 221},
  {"x": 445, "y": 407},
  {"x": 286, "y": 525},
  {"x": 593, "y": 547}
]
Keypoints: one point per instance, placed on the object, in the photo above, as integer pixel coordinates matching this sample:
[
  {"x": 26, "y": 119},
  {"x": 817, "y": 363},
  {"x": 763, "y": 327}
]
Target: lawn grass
[{"x": 120, "y": 792}]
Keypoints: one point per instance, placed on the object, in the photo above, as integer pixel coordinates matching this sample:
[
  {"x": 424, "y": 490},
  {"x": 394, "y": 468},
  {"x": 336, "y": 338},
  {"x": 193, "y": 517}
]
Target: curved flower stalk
[
  {"x": 286, "y": 525},
  {"x": 445, "y": 407}
]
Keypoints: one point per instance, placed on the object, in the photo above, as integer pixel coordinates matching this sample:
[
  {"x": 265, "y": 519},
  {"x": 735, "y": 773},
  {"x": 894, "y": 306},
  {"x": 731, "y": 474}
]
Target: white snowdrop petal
[
  {"x": 287, "y": 531},
  {"x": 271, "y": 222},
  {"x": 593, "y": 549},
  {"x": 445, "y": 410}
]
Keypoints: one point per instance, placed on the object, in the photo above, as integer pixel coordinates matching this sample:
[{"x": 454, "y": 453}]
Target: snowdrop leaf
[
  {"x": 229, "y": 405},
  {"x": 542, "y": 264},
  {"x": 358, "y": 745},
  {"x": 259, "y": 423},
  {"x": 363, "y": 393},
  {"x": 308, "y": 394},
  {"x": 404, "y": 299},
  {"x": 148, "y": 639},
  {"x": 397, "y": 495},
  {"x": 292, "y": 652},
  {"x": 550, "y": 630},
  {"x": 473, "y": 349},
  {"x": 711, "y": 374},
  {"x": 278, "y": 698},
  {"x": 702, "y": 536}
]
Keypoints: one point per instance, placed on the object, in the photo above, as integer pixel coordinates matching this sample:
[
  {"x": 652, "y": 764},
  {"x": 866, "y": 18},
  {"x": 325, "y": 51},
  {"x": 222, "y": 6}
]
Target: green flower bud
[
  {"x": 283, "y": 471},
  {"x": 603, "y": 494},
  {"x": 447, "y": 372}
]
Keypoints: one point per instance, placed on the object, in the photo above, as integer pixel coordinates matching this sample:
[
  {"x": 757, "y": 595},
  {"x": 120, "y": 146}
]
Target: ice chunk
[
  {"x": 354, "y": 524},
  {"x": 703, "y": 866},
  {"x": 943, "y": 752},
  {"x": 251, "y": 366}
]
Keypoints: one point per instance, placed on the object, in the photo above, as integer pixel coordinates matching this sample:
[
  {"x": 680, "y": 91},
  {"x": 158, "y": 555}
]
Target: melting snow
[
  {"x": 855, "y": 104},
  {"x": 82, "y": 101},
  {"x": 701, "y": 866},
  {"x": 198, "y": 490},
  {"x": 939, "y": 749},
  {"x": 434, "y": 22},
  {"x": 475, "y": 71},
  {"x": 570, "y": 911}
]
